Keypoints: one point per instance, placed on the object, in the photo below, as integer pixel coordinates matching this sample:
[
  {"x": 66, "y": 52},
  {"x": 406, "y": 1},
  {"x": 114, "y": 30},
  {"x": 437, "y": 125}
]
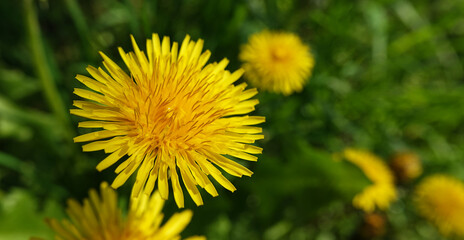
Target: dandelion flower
[
  {"x": 382, "y": 191},
  {"x": 173, "y": 116},
  {"x": 99, "y": 218},
  {"x": 440, "y": 199},
  {"x": 277, "y": 61},
  {"x": 407, "y": 166}
]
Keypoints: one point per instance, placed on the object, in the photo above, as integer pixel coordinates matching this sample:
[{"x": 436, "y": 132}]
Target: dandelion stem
[
  {"x": 43, "y": 69},
  {"x": 81, "y": 26}
]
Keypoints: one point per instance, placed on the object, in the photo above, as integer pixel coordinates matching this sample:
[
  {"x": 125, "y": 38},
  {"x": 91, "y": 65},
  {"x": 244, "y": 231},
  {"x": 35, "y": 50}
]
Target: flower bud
[
  {"x": 374, "y": 226},
  {"x": 406, "y": 166}
]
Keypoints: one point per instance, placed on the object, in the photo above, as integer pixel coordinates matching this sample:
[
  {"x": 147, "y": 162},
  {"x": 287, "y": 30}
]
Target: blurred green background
[{"x": 388, "y": 78}]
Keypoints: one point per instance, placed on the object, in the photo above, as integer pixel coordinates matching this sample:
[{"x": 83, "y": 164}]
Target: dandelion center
[
  {"x": 279, "y": 54},
  {"x": 174, "y": 123}
]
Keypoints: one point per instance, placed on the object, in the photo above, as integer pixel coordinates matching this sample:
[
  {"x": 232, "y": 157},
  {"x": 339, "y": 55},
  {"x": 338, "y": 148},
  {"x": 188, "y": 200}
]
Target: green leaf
[{"x": 21, "y": 216}]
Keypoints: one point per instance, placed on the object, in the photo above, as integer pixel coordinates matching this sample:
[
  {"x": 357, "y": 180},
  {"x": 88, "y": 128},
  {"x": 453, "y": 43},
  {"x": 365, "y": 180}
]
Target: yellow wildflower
[
  {"x": 171, "y": 116},
  {"x": 382, "y": 191},
  {"x": 440, "y": 199},
  {"x": 99, "y": 218},
  {"x": 277, "y": 61}
]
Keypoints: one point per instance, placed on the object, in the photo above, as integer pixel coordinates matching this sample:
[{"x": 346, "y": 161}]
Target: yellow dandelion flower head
[
  {"x": 277, "y": 61},
  {"x": 100, "y": 218},
  {"x": 440, "y": 199},
  {"x": 381, "y": 193},
  {"x": 173, "y": 116}
]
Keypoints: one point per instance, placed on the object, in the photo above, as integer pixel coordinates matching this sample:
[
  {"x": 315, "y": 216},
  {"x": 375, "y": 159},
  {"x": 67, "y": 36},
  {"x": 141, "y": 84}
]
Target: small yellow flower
[
  {"x": 382, "y": 191},
  {"x": 173, "y": 116},
  {"x": 277, "y": 61},
  {"x": 99, "y": 218},
  {"x": 440, "y": 199}
]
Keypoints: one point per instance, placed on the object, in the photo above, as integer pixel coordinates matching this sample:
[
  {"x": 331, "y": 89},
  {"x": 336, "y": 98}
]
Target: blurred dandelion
[
  {"x": 374, "y": 226},
  {"x": 277, "y": 61},
  {"x": 382, "y": 191},
  {"x": 440, "y": 199},
  {"x": 171, "y": 113},
  {"x": 99, "y": 218},
  {"x": 406, "y": 166}
]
